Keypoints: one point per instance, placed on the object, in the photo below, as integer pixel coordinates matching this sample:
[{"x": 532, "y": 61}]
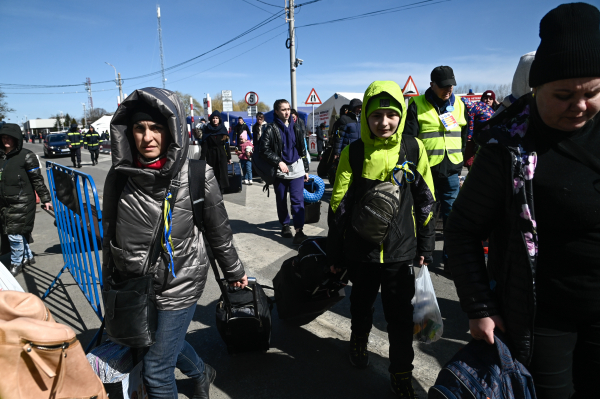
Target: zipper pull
[{"x": 38, "y": 360}]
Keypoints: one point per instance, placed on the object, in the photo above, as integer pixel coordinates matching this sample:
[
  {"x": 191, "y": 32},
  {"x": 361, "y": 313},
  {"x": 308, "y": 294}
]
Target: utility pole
[
  {"x": 88, "y": 87},
  {"x": 84, "y": 116},
  {"x": 293, "y": 62},
  {"x": 120, "y": 83},
  {"x": 162, "y": 58}
]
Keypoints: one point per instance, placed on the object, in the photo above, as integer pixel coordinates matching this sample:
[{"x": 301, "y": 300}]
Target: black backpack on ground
[
  {"x": 243, "y": 316},
  {"x": 305, "y": 288}
]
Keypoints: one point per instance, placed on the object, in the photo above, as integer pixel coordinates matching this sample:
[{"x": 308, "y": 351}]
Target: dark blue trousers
[{"x": 296, "y": 189}]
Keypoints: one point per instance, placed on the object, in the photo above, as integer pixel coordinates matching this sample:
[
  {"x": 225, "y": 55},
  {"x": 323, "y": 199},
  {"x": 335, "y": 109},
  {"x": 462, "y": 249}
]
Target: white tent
[
  {"x": 102, "y": 124},
  {"x": 323, "y": 114}
]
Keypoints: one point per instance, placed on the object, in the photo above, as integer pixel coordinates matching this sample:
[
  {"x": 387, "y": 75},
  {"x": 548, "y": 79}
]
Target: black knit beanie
[
  {"x": 570, "y": 46},
  {"x": 145, "y": 112}
]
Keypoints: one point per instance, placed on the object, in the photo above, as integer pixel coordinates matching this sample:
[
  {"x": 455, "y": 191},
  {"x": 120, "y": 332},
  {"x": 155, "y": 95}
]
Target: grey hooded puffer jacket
[{"x": 132, "y": 215}]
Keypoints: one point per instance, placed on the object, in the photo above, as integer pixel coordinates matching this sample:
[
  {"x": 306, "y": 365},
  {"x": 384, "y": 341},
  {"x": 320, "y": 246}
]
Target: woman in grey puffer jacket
[{"x": 149, "y": 148}]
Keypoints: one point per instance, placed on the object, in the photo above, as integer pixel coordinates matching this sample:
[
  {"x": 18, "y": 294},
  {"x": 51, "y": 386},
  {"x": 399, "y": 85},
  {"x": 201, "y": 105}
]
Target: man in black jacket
[
  {"x": 75, "y": 141},
  {"x": 282, "y": 146},
  {"x": 352, "y": 116},
  {"x": 93, "y": 140},
  {"x": 20, "y": 175}
]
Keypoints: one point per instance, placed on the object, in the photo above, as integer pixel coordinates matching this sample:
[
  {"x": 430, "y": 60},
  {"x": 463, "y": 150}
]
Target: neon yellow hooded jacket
[{"x": 380, "y": 158}]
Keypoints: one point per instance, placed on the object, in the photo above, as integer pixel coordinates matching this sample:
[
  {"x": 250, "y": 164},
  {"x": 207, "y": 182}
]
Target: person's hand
[
  {"x": 306, "y": 177},
  {"x": 69, "y": 145},
  {"x": 47, "y": 206},
  {"x": 334, "y": 269},
  {"x": 240, "y": 283},
  {"x": 422, "y": 261},
  {"x": 229, "y": 162},
  {"x": 283, "y": 167},
  {"x": 484, "y": 328},
  {"x": 336, "y": 156}
]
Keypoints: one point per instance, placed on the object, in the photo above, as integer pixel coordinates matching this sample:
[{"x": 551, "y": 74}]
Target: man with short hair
[
  {"x": 240, "y": 128},
  {"x": 74, "y": 140},
  {"x": 282, "y": 146},
  {"x": 439, "y": 119}
]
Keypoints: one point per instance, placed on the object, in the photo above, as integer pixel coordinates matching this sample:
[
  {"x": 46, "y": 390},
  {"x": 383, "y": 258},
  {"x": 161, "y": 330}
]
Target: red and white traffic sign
[
  {"x": 410, "y": 88},
  {"x": 251, "y": 98},
  {"x": 313, "y": 98}
]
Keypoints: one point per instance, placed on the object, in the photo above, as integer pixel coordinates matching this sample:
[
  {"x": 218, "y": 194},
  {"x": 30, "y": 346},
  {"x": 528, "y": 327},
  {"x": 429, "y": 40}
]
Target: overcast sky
[{"x": 63, "y": 42}]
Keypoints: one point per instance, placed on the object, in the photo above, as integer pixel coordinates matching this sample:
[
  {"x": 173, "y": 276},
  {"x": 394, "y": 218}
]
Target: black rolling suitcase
[
  {"x": 304, "y": 287},
  {"x": 243, "y": 316},
  {"x": 234, "y": 172}
]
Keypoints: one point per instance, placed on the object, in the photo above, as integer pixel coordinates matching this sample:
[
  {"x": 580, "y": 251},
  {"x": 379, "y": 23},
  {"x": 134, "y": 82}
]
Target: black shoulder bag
[{"x": 130, "y": 304}]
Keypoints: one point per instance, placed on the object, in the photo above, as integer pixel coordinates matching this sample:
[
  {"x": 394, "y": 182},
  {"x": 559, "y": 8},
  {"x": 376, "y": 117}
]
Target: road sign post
[{"x": 313, "y": 98}]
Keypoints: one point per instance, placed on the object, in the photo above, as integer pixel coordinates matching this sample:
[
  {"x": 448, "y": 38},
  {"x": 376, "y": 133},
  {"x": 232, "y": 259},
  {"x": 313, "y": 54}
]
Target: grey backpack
[{"x": 375, "y": 212}]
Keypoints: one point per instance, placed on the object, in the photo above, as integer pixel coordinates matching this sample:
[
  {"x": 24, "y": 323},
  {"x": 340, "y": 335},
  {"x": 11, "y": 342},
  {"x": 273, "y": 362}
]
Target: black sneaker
[
  {"x": 202, "y": 383},
  {"x": 286, "y": 232},
  {"x": 15, "y": 269},
  {"x": 359, "y": 357},
  {"x": 31, "y": 261},
  {"x": 299, "y": 237},
  {"x": 402, "y": 385}
]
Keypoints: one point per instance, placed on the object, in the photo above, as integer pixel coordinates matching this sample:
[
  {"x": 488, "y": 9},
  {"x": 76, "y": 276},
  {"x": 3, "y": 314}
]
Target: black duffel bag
[
  {"x": 305, "y": 287},
  {"x": 244, "y": 317},
  {"x": 243, "y": 314}
]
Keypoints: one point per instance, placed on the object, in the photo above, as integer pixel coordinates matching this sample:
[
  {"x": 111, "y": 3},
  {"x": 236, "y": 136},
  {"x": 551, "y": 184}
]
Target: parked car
[
  {"x": 105, "y": 147},
  {"x": 55, "y": 144}
]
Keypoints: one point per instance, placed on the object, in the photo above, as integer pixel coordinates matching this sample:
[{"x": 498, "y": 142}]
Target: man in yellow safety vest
[{"x": 439, "y": 119}]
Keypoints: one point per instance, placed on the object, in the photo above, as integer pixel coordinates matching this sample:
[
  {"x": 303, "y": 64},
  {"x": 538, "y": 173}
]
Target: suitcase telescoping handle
[{"x": 222, "y": 283}]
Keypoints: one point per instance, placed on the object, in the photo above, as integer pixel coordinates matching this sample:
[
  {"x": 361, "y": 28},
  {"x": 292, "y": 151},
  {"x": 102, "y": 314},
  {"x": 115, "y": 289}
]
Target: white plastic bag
[
  {"x": 426, "y": 314},
  {"x": 7, "y": 281}
]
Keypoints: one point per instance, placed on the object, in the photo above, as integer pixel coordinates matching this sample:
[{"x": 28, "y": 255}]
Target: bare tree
[
  {"x": 93, "y": 115},
  {"x": 185, "y": 99},
  {"x": 4, "y": 108}
]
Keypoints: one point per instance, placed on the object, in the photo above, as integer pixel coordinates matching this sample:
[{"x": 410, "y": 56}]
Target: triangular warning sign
[
  {"x": 313, "y": 98},
  {"x": 410, "y": 88}
]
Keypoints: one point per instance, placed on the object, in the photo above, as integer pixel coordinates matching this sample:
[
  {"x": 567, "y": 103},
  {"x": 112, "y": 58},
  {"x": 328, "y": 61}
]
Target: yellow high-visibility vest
[{"x": 433, "y": 134}]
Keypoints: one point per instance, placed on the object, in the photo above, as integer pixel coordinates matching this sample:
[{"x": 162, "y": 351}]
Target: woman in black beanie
[{"x": 534, "y": 189}]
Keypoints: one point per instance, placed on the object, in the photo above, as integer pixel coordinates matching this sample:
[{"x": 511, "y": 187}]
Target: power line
[
  {"x": 269, "y": 4},
  {"x": 236, "y": 56},
  {"x": 272, "y": 18},
  {"x": 254, "y": 5},
  {"x": 418, "y": 4}
]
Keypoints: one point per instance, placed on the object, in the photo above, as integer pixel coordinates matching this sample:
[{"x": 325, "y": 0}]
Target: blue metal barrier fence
[{"x": 79, "y": 224}]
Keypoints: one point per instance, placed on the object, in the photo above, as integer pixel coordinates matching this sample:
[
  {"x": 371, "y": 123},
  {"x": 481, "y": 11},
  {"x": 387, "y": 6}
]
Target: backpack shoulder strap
[
  {"x": 356, "y": 155},
  {"x": 196, "y": 181},
  {"x": 412, "y": 148}
]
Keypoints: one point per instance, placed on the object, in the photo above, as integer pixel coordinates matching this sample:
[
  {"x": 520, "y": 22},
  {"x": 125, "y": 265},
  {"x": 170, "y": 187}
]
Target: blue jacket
[{"x": 350, "y": 133}]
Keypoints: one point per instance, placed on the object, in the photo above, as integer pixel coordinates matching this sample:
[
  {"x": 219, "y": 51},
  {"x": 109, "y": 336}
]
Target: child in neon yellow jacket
[{"x": 388, "y": 265}]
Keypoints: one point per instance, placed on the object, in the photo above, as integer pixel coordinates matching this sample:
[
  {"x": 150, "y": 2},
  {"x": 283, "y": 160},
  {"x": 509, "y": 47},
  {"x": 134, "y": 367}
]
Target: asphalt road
[{"x": 304, "y": 362}]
